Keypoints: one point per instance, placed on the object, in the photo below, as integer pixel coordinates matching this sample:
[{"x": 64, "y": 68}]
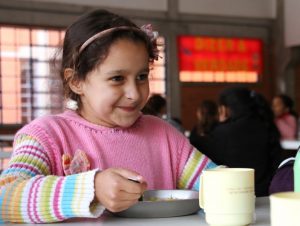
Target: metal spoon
[{"x": 136, "y": 181}]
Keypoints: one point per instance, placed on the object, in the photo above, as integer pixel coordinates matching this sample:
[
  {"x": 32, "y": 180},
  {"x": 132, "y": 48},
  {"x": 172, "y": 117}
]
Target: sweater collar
[{"x": 76, "y": 117}]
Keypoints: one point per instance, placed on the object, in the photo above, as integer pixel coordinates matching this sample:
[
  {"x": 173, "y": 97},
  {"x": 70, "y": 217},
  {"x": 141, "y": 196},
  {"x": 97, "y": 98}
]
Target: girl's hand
[{"x": 115, "y": 192}]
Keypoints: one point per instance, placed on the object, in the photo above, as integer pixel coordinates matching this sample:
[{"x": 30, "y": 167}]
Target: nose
[{"x": 132, "y": 91}]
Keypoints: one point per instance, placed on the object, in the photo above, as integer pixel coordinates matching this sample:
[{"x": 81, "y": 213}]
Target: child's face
[
  {"x": 114, "y": 93},
  {"x": 199, "y": 114},
  {"x": 278, "y": 106}
]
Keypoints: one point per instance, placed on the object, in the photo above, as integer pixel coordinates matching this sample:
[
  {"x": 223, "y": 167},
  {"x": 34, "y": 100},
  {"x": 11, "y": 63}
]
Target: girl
[
  {"x": 82, "y": 161},
  {"x": 285, "y": 117}
]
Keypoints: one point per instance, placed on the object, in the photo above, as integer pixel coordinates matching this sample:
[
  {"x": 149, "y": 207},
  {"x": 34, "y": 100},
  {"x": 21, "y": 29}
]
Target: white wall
[
  {"x": 291, "y": 22},
  {"x": 156, "y": 5},
  {"x": 240, "y": 8}
]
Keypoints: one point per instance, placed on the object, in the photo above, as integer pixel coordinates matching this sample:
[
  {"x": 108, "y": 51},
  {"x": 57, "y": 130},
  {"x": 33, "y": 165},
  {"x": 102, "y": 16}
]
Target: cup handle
[{"x": 201, "y": 197}]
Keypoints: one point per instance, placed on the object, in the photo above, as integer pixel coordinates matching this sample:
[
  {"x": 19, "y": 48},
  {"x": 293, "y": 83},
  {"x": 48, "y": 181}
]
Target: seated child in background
[
  {"x": 207, "y": 116},
  {"x": 286, "y": 118},
  {"x": 157, "y": 106},
  {"x": 78, "y": 163}
]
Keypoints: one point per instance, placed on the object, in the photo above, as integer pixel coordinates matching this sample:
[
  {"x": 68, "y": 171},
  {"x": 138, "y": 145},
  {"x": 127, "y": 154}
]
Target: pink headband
[{"x": 145, "y": 28}]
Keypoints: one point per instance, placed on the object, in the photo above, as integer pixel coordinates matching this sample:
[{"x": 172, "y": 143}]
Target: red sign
[{"x": 220, "y": 54}]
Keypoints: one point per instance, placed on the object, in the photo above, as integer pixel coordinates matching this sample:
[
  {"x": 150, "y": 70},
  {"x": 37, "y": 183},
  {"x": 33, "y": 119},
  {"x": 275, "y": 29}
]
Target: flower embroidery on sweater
[{"x": 77, "y": 164}]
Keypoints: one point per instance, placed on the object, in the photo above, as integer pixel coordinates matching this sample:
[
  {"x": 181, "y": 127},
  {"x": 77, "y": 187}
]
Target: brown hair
[{"x": 85, "y": 27}]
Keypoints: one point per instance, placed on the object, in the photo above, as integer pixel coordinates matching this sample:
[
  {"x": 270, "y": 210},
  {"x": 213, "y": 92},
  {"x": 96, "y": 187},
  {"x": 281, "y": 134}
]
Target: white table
[
  {"x": 262, "y": 219},
  {"x": 290, "y": 144},
  {"x": 7, "y": 137},
  {"x": 6, "y": 141}
]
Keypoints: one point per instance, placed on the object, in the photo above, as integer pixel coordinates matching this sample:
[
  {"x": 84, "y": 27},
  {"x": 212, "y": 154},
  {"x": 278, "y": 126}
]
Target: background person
[
  {"x": 286, "y": 118},
  {"x": 207, "y": 120},
  {"x": 246, "y": 137},
  {"x": 157, "y": 106}
]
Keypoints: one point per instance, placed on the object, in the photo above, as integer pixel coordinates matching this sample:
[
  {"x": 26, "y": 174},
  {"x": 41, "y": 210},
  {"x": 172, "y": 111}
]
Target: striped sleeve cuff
[
  {"x": 43, "y": 199},
  {"x": 196, "y": 163},
  {"x": 77, "y": 195}
]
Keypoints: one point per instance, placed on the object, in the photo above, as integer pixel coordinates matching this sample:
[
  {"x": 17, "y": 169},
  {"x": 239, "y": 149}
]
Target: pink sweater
[
  {"x": 287, "y": 126},
  {"x": 37, "y": 187},
  {"x": 159, "y": 158}
]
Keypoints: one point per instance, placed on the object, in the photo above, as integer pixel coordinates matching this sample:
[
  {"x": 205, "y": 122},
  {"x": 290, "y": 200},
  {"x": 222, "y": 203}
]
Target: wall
[
  {"x": 291, "y": 21},
  {"x": 238, "y": 8},
  {"x": 240, "y": 18},
  {"x": 157, "y": 5}
]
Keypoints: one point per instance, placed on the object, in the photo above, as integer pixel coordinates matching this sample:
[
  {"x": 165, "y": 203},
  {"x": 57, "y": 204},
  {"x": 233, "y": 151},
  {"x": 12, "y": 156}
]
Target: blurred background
[{"x": 205, "y": 46}]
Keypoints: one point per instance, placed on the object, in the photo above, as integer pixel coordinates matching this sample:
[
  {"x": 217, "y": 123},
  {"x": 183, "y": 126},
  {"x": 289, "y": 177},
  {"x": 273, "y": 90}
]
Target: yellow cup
[
  {"x": 227, "y": 196},
  {"x": 285, "y": 207}
]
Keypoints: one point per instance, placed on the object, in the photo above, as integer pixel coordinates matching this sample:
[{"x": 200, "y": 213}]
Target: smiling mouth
[{"x": 128, "y": 109}]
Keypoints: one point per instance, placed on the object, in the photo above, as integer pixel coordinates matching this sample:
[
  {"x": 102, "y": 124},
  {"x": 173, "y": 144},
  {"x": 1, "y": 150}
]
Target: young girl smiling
[{"x": 80, "y": 162}]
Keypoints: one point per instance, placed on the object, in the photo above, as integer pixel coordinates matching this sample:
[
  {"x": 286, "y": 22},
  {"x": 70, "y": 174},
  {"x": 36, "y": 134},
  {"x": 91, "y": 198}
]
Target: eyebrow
[{"x": 124, "y": 71}]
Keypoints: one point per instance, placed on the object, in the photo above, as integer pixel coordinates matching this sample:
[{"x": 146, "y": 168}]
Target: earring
[{"x": 72, "y": 104}]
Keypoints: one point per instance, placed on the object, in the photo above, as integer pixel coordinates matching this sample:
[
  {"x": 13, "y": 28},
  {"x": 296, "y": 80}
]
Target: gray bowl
[{"x": 168, "y": 203}]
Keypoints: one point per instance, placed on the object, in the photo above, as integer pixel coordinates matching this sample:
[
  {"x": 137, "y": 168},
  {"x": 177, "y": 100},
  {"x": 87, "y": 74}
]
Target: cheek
[
  {"x": 105, "y": 99},
  {"x": 145, "y": 94}
]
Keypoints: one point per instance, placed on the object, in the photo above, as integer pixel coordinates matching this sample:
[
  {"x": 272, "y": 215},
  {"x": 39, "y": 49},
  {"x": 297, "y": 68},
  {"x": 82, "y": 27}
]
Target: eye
[
  {"x": 118, "y": 78},
  {"x": 143, "y": 77}
]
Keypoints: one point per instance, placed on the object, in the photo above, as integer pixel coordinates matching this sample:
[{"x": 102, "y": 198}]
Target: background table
[
  {"x": 262, "y": 219},
  {"x": 6, "y": 141},
  {"x": 290, "y": 144},
  {"x": 290, "y": 148}
]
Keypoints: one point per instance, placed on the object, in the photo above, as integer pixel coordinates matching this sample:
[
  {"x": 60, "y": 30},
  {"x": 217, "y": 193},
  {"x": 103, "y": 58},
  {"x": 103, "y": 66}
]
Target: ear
[{"x": 73, "y": 82}]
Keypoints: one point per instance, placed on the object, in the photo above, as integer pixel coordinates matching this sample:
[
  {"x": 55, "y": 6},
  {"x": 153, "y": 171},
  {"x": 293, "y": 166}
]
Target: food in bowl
[{"x": 157, "y": 199}]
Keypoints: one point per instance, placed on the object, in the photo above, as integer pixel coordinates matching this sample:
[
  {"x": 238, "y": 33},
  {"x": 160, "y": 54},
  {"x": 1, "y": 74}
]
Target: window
[
  {"x": 211, "y": 59},
  {"x": 158, "y": 73},
  {"x": 29, "y": 86}
]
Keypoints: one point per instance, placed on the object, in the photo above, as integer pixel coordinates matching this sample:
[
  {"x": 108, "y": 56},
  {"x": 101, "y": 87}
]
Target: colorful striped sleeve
[
  {"x": 196, "y": 163},
  {"x": 30, "y": 194}
]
